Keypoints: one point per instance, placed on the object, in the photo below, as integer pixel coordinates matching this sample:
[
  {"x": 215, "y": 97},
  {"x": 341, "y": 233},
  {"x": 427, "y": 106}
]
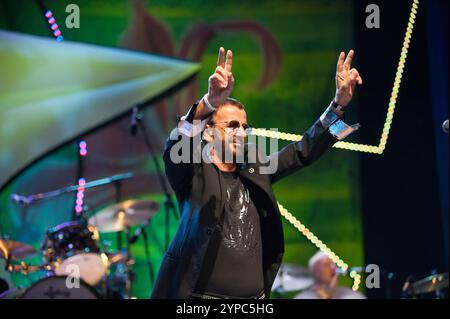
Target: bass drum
[
  {"x": 56, "y": 287},
  {"x": 72, "y": 247}
]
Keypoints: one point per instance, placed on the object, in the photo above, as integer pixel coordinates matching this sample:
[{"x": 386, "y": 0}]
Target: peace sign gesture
[
  {"x": 346, "y": 79},
  {"x": 221, "y": 82}
]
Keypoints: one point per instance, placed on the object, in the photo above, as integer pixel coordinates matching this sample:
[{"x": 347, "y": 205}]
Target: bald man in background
[{"x": 325, "y": 276}]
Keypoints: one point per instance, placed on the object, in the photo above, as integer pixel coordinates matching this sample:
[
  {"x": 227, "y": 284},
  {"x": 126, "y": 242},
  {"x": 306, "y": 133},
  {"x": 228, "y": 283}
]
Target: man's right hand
[{"x": 221, "y": 82}]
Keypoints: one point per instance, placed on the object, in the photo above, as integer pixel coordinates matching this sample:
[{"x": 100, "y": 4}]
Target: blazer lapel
[{"x": 251, "y": 173}]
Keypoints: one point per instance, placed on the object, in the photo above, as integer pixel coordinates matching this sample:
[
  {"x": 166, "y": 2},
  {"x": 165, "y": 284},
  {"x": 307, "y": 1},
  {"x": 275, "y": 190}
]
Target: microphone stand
[
  {"x": 30, "y": 199},
  {"x": 168, "y": 202}
]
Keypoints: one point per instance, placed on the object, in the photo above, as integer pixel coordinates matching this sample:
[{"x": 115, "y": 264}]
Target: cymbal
[
  {"x": 120, "y": 216},
  {"x": 27, "y": 269},
  {"x": 431, "y": 283},
  {"x": 14, "y": 250},
  {"x": 292, "y": 278},
  {"x": 114, "y": 258}
]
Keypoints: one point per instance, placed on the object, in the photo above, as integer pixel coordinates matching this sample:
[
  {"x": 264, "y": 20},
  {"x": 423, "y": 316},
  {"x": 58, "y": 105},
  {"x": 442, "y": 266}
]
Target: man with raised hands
[{"x": 229, "y": 243}]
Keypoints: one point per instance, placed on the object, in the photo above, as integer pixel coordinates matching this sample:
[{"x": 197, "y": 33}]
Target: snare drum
[{"x": 72, "y": 249}]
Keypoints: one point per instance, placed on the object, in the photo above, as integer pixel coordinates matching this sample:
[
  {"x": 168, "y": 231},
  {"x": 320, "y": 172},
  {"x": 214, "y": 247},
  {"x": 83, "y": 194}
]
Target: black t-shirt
[{"x": 233, "y": 261}]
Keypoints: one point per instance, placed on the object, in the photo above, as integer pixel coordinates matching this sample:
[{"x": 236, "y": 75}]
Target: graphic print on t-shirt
[{"x": 238, "y": 227}]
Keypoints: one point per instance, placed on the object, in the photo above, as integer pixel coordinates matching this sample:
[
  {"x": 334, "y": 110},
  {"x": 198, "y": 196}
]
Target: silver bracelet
[{"x": 208, "y": 104}]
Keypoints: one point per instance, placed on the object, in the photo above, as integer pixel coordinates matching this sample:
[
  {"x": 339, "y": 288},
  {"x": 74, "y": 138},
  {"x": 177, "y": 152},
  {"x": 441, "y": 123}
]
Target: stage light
[
  {"x": 83, "y": 148},
  {"x": 53, "y": 26},
  {"x": 81, "y": 181}
]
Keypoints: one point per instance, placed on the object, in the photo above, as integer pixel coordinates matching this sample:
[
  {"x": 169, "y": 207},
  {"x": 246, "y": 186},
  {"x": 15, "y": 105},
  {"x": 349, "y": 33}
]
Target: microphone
[
  {"x": 134, "y": 120},
  {"x": 19, "y": 199},
  {"x": 445, "y": 126},
  {"x": 138, "y": 233}
]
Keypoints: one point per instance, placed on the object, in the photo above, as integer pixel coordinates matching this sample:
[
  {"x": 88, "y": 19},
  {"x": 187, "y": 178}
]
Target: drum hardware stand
[
  {"x": 438, "y": 293},
  {"x": 118, "y": 188},
  {"x": 128, "y": 258},
  {"x": 8, "y": 266},
  {"x": 128, "y": 263},
  {"x": 136, "y": 122},
  {"x": 147, "y": 256},
  {"x": 147, "y": 253},
  {"x": 142, "y": 231}
]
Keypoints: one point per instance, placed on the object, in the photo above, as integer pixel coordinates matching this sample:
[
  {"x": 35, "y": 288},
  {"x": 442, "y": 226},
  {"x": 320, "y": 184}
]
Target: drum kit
[
  {"x": 74, "y": 246},
  {"x": 431, "y": 287},
  {"x": 72, "y": 251},
  {"x": 291, "y": 278}
]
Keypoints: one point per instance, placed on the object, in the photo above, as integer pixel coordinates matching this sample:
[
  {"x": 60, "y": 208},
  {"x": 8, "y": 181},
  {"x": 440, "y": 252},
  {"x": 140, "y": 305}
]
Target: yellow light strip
[
  {"x": 390, "y": 112},
  {"x": 297, "y": 137},
  {"x": 398, "y": 76},
  {"x": 356, "y": 280},
  {"x": 312, "y": 238}
]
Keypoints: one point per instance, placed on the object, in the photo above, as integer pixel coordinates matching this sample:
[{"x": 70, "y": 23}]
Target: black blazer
[{"x": 200, "y": 199}]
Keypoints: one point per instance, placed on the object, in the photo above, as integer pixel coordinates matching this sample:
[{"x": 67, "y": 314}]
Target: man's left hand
[{"x": 346, "y": 79}]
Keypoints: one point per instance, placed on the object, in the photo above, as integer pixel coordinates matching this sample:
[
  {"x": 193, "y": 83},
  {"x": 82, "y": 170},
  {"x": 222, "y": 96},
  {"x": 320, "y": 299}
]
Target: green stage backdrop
[{"x": 285, "y": 54}]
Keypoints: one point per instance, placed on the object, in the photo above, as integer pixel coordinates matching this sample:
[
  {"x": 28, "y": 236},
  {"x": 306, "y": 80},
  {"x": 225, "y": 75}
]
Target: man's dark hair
[
  {"x": 228, "y": 101},
  {"x": 234, "y": 102}
]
